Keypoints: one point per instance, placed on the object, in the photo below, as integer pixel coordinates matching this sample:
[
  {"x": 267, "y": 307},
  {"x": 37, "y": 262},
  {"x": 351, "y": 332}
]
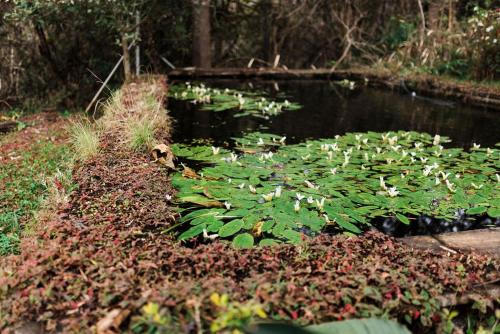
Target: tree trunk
[
  {"x": 422, "y": 24},
  {"x": 435, "y": 7},
  {"x": 201, "y": 34},
  {"x": 126, "y": 58}
]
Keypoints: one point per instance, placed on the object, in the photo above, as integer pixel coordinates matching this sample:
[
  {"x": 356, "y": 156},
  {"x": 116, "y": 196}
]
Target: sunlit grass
[{"x": 85, "y": 140}]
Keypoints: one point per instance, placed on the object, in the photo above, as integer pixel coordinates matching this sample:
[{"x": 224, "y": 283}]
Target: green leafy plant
[
  {"x": 245, "y": 103},
  {"x": 268, "y": 192}
]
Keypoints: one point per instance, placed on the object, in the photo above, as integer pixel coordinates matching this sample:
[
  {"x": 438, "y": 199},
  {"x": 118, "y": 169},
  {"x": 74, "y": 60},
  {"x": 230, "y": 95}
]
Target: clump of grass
[
  {"x": 85, "y": 140},
  {"x": 141, "y": 134}
]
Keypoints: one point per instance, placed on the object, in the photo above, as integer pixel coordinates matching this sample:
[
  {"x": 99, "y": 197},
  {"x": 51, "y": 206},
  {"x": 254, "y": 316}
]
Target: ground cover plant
[
  {"x": 33, "y": 162},
  {"x": 244, "y": 103},
  {"x": 272, "y": 192}
]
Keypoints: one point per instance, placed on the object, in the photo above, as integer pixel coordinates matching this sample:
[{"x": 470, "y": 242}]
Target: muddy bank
[{"x": 425, "y": 85}]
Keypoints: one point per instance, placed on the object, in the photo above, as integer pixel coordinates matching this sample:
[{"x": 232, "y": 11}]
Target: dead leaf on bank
[
  {"x": 112, "y": 321},
  {"x": 189, "y": 173},
  {"x": 163, "y": 154}
]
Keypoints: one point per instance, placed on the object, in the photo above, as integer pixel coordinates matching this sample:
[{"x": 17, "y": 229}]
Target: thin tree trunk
[
  {"x": 126, "y": 58},
  {"x": 137, "y": 47},
  {"x": 201, "y": 34},
  {"x": 422, "y": 24}
]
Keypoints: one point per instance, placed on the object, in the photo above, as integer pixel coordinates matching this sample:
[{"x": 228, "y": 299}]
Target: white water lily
[
  {"x": 475, "y": 146},
  {"x": 215, "y": 150},
  {"x": 392, "y": 192},
  {"x": 310, "y": 200},
  {"x": 324, "y": 147},
  {"x": 227, "y": 205},
  {"x": 242, "y": 185},
  {"x": 333, "y": 170},
  {"x": 427, "y": 170},
  {"x": 389, "y": 160},
  {"x": 299, "y": 196},
  {"x": 437, "y": 139},
  {"x": 286, "y": 103},
  {"x": 382, "y": 183},
  {"x": 268, "y": 197},
  {"x": 358, "y": 147},
  {"x": 476, "y": 186},
  {"x": 489, "y": 151},
  {"x": 457, "y": 176},
  {"x": 358, "y": 137},
  {"x": 395, "y": 148},
  {"x": 320, "y": 204},
  {"x": 498, "y": 178},
  {"x": 363, "y": 167},
  {"x": 346, "y": 161},
  {"x": 402, "y": 175},
  {"x": 393, "y": 140},
  {"x": 450, "y": 186},
  {"x": 310, "y": 184},
  {"x": 417, "y": 145},
  {"x": 385, "y": 136},
  {"x": 437, "y": 181},
  {"x": 334, "y": 147},
  {"x": 367, "y": 158},
  {"x": 207, "y": 236},
  {"x": 404, "y": 154},
  {"x": 365, "y": 141},
  {"x": 444, "y": 175},
  {"x": 229, "y": 180},
  {"x": 412, "y": 159},
  {"x": 234, "y": 157},
  {"x": 282, "y": 140},
  {"x": 277, "y": 192},
  {"x": 260, "y": 142},
  {"x": 306, "y": 157},
  {"x": 378, "y": 149},
  {"x": 423, "y": 159},
  {"x": 252, "y": 189},
  {"x": 296, "y": 206}
]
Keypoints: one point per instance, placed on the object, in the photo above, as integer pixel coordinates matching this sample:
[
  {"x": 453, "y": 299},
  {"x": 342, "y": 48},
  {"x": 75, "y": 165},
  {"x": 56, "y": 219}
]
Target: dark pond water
[{"x": 329, "y": 109}]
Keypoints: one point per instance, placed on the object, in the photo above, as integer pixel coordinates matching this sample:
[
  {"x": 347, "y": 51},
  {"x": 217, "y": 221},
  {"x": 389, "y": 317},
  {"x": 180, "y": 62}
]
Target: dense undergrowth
[{"x": 33, "y": 162}]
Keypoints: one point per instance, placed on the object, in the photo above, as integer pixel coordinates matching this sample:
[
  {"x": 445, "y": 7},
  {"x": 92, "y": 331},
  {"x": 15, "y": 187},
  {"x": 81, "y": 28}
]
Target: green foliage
[
  {"x": 218, "y": 100},
  {"x": 276, "y": 192},
  {"x": 399, "y": 31},
  {"x": 25, "y": 183}
]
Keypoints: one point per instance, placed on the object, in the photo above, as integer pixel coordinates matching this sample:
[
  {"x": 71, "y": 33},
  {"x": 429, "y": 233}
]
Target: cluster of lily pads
[
  {"x": 245, "y": 103},
  {"x": 268, "y": 192}
]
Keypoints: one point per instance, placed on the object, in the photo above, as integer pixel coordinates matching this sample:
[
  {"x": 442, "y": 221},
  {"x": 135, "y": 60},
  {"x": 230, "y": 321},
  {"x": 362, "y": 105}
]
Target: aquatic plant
[
  {"x": 268, "y": 191},
  {"x": 245, "y": 103}
]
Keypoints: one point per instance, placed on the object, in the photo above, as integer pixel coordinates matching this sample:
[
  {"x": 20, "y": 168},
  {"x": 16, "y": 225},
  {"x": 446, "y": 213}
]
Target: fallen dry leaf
[{"x": 163, "y": 154}]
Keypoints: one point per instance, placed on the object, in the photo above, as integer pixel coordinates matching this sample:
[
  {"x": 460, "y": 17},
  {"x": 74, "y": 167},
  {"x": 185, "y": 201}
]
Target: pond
[{"x": 329, "y": 109}]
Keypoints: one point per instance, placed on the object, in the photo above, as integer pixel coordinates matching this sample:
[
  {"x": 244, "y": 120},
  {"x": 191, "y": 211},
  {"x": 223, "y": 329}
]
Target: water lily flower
[
  {"x": 346, "y": 161},
  {"x": 417, "y": 145},
  {"x": 423, "y": 159},
  {"x": 450, "y": 186},
  {"x": 234, "y": 157},
  {"x": 363, "y": 167},
  {"x": 437, "y": 181},
  {"x": 310, "y": 184},
  {"x": 389, "y": 160},
  {"x": 437, "y": 139},
  {"x": 215, "y": 150},
  {"x": 282, "y": 140},
  {"x": 286, "y": 103},
  {"x": 168, "y": 197},
  {"x": 229, "y": 180},
  {"x": 330, "y": 155},
  {"x": 320, "y": 204},
  {"x": 475, "y": 146},
  {"x": 299, "y": 196},
  {"x": 476, "y": 186},
  {"x": 385, "y": 136},
  {"x": 444, "y": 175},
  {"x": 412, "y": 159},
  {"x": 365, "y": 141},
  {"x": 296, "y": 206},
  {"x": 498, "y": 178},
  {"x": 382, "y": 183},
  {"x": 392, "y": 140},
  {"x": 306, "y": 157},
  {"x": 207, "y": 236},
  {"x": 242, "y": 185},
  {"x": 252, "y": 189},
  {"x": 335, "y": 147},
  {"x": 227, "y": 205},
  {"x": 277, "y": 192},
  {"x": 402, "y": 175},
  {"x": 457, "y": 176},
  {"x": 333, "y": 170},
  {"x": 260, "y": 142},
  {"x": 310, "y": 200},
  {"x": 395, "y": 148},
  {"x": 489, "y": 151},
  {"x": 324, "y": 147},
  {"x": 392, "y": 192},
  {"x": 268, "y": 197},
  {"x": 367, "y": 158},
  {"x": 427, "y": 170},
  {"x": 379, "y": 150},
  {"x": 358, "y": 147}
]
